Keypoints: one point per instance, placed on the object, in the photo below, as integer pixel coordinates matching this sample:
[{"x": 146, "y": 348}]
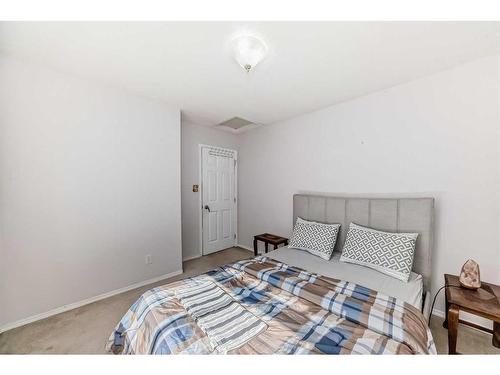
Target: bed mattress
[{"x": 410, "y": 292}]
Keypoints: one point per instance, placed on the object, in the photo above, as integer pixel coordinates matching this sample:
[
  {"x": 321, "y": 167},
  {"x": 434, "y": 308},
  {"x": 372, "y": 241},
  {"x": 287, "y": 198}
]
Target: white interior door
[{"x": 218, "y": 199}]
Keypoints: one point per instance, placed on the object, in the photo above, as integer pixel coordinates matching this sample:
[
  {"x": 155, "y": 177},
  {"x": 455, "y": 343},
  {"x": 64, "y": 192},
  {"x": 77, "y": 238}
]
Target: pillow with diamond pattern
[
  {"x": 389, "y": 253},
  {"x": 315, "y": 238}
]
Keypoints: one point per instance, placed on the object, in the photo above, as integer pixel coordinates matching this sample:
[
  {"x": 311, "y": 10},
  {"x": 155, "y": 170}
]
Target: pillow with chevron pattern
[
  {"x": 389, "y": 253},
  {"x": 316, "y": 238}
]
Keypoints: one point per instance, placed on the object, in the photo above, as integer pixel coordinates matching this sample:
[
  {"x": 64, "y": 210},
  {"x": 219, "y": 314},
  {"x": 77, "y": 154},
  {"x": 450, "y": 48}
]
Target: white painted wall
[
  {"x": 435, "y": 136},
  {"x": 192, "y": 136},
  {"x": 89, "y": 185},
  {"x": 90, "y": 176}
]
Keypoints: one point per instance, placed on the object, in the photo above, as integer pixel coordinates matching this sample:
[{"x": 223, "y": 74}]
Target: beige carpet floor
[{"x": 86, "y": 329}]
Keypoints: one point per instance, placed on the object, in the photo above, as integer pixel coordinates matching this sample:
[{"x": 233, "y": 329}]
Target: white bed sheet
[{"x": 410, "y": 292}]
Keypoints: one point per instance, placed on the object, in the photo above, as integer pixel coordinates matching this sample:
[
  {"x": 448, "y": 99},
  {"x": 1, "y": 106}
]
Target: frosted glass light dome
[{"x": 248, "y": 51}]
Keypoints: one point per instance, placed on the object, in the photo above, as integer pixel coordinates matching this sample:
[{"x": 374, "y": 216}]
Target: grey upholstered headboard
[{"x": 415, "y": 215}]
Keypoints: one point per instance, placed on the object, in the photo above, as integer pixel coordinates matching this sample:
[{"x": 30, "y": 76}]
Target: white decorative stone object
[{"x": 470, "y": 276}]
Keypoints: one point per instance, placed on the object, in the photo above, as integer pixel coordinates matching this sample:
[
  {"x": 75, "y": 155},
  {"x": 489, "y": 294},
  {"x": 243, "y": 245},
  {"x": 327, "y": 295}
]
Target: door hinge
[{"x": 235, "y": 236}]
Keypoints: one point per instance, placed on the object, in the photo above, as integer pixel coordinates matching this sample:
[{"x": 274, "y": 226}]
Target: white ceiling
[{"x": 309, "y": 65}]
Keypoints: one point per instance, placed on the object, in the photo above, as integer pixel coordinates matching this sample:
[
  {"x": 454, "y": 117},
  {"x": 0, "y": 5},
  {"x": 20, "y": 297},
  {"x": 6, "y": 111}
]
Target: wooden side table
[
  {"x": 484, "y": 302},
  {"x": 268, "y": 238}
]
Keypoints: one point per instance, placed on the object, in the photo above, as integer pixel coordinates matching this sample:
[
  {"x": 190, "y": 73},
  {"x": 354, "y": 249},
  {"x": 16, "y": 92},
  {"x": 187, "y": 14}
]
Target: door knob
[{"x": 207, "y": 208}]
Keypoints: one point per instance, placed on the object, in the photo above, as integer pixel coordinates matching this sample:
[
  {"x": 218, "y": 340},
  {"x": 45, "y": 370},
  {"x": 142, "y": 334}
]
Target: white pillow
[
  {"x": 316, "y": 238},
  {"x": 389, "y": 253}
]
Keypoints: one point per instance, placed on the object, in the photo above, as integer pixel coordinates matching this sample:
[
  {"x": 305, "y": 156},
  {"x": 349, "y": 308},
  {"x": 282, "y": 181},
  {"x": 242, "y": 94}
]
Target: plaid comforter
[{"x": 261, "y": 306}]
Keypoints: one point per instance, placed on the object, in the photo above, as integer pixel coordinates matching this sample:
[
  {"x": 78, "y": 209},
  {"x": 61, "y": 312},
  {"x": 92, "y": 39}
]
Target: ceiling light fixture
[{"x": 248, "y": 51}]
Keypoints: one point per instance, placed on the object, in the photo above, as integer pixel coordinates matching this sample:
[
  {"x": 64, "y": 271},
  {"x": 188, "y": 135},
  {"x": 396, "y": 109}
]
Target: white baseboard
[
  {"x": 74, "y": 305},
  {"x": 192, "y": 257},
  {"x": 438, "y": 313},
  {"x": 244, "y": 247},
  {"x": 200, "y": 255}
]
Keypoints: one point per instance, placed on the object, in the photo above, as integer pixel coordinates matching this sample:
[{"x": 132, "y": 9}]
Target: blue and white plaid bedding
[{"x": 265, "y": 307}]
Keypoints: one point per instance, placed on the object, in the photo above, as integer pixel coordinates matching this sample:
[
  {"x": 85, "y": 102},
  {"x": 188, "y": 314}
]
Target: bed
[
  {"x": 291, "y": 302},
  {"x": 410, "y": 292}
]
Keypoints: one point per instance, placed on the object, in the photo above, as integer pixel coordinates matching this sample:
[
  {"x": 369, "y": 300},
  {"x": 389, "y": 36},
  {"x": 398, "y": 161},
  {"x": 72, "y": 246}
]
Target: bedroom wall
[
  {"x": 192, "y": 136},
  {"x": 89, "y": 185},
  {"x": 435, "y": 136}
]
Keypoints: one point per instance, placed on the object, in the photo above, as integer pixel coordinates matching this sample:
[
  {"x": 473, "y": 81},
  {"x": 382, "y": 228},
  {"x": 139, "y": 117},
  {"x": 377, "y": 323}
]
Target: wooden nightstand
[
  {"x": 484, "y": 302},
  {"x": 268, "y": 238}
]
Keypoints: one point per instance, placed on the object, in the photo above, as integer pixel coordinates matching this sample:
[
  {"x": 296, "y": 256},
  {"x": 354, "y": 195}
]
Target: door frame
[{"x": 200, "y": 191}]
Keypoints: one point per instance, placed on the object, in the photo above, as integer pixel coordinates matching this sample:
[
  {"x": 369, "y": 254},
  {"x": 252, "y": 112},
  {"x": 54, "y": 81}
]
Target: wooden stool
[
  {"x": 484, "y": 302},
  {"x": 268, "y": 238}
]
